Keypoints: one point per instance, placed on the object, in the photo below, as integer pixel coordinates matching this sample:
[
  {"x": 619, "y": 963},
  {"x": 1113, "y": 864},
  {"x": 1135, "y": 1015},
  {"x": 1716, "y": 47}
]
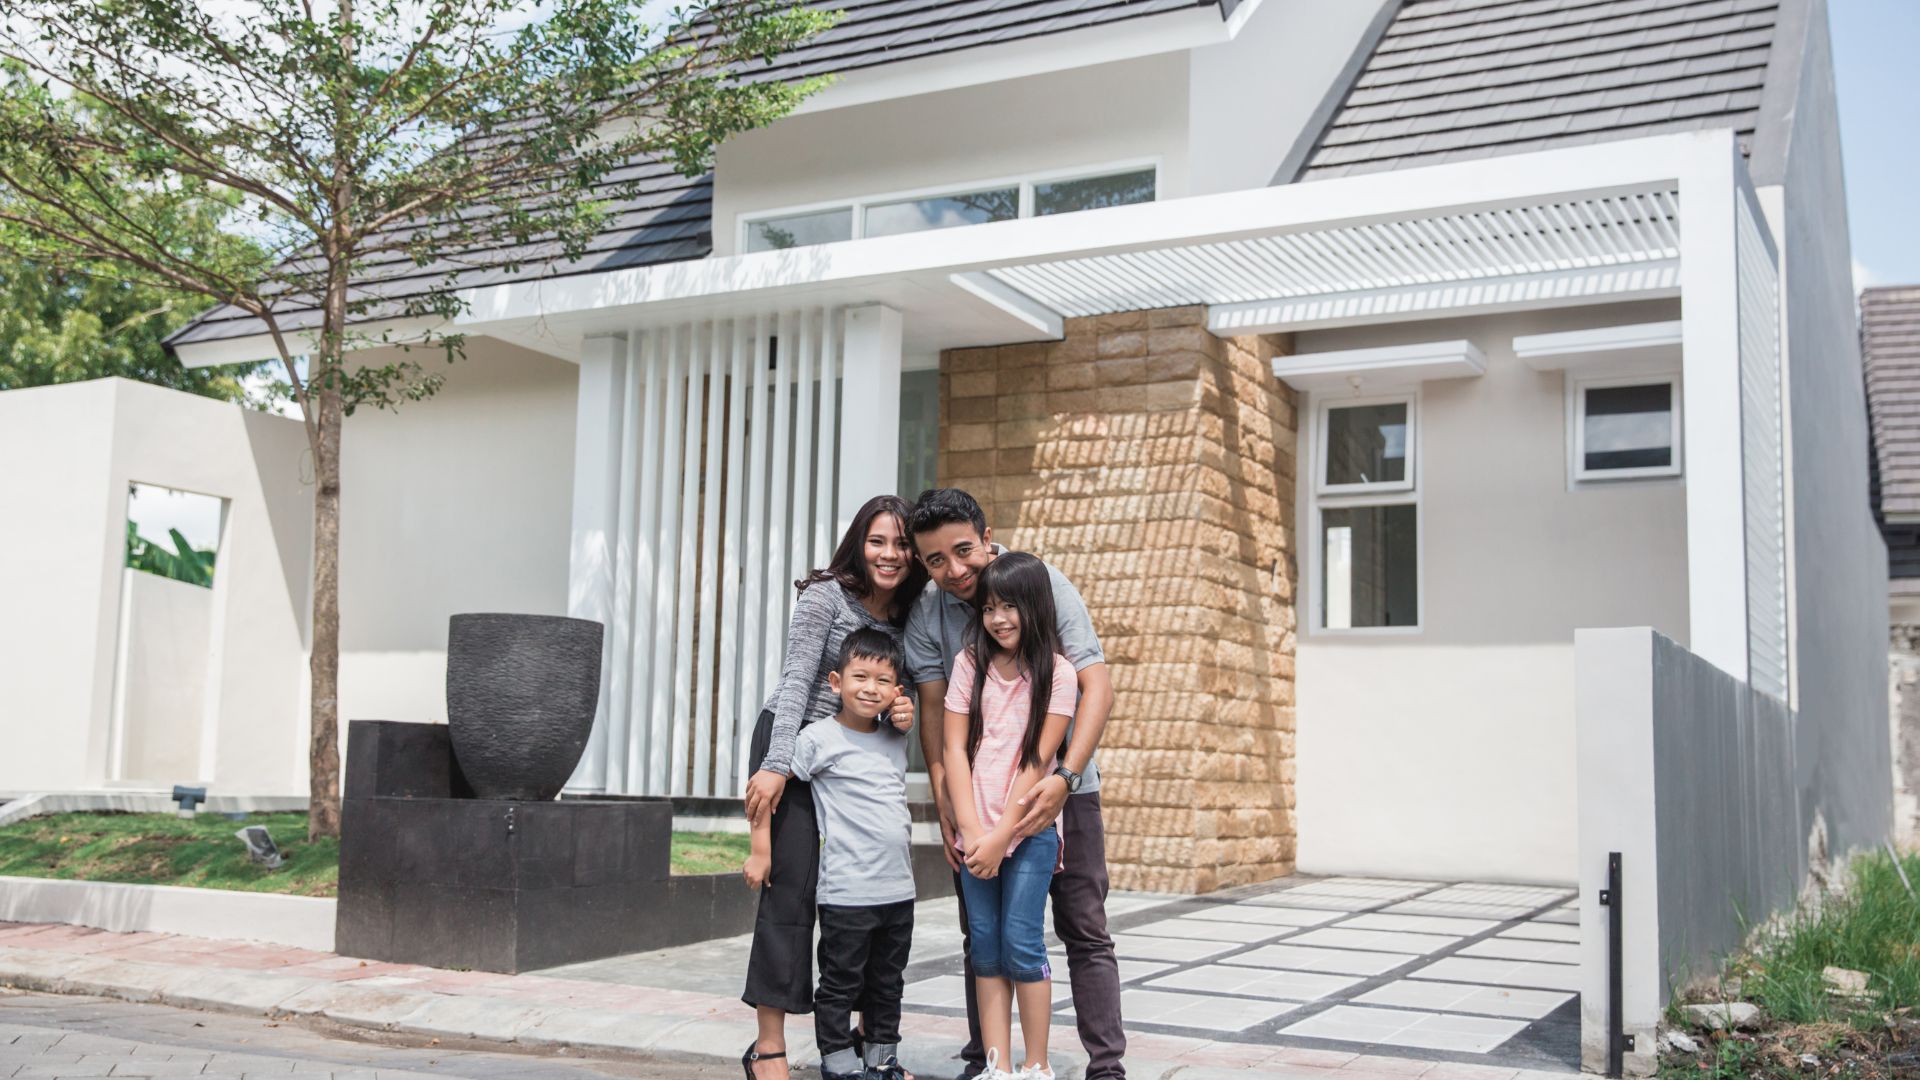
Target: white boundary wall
[
  {"x": 304, "y": 922},
  {"x": 1688, "y": 773}
]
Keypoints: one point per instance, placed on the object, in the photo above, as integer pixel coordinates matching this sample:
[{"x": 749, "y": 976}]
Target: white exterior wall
[
  {"x": 994, "y": 131},
  {"x": 166, "y": 629},
  {"x": 64, "y": 551},
  {"x": 461, "y": 502},
  {"x": 1449, "y": 751}
]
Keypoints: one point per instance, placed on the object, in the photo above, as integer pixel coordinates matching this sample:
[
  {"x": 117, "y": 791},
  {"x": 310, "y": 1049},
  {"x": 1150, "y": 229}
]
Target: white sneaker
[
  {"x": 993, "y": 1071},
  {"x": 1034, "y": 1072}
]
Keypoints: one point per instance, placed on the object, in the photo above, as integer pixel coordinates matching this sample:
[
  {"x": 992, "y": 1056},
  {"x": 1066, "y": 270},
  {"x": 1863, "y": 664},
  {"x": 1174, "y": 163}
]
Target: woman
[{"x": 872, "y": 581}]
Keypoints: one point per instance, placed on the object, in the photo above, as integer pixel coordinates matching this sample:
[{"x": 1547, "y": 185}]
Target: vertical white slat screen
[
  {"x": 1762, "y": 443},
  {"x": 726, "y": 462}
]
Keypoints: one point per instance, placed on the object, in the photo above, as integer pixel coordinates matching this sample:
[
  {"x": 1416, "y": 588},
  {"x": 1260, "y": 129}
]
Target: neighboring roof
[
  {"x": 888, "y": 31},
  {"x": 1890, "y": 350},
  {"x": 671, "y": 220},
  {"x": 1457, "y": 79}
]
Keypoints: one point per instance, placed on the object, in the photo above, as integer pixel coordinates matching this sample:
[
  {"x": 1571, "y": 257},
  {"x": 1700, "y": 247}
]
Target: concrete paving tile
[
  {"x": 1239, "y": 933},
  {"x": 1473, "y": 969},
  {"x": 1546, "y": 952},
  {"x": 1340, "y": 937},
  {"x": 1255, "y": 982},
  {"x": 1399, "y": 1027},
  {"x": 1467, "y": 998},
  {"x": 1282, "y": 913},
  {"x": 1307, "y": 958},
  {"x": 1141, "y": 947},
  {"x": 1535, "y": 930},
  {"x": 1419, "y": 924},
  {"x": 1203, "y": 1011}
]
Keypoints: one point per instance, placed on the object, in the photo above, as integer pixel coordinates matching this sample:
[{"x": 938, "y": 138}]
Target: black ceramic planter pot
[{"x": 521, "y": 693}]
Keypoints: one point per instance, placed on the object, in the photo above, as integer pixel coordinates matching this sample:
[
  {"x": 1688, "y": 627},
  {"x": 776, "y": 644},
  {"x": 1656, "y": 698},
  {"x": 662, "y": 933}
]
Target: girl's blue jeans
[{"x": 1006, "y": 915}]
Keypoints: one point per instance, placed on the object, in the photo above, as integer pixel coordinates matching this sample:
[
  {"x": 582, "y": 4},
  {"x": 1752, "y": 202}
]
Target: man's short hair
[
  {"x": 867, "y": 643},
  {"x": 946, "y": 506}
]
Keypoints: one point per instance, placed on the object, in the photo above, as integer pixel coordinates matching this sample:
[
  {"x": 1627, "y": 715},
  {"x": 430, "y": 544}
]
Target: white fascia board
[
  {"x": 1600, "y": 346},
  {"x": 1525, "y": 292},
  {"x": 1573, "y": 172},
  {"x": 1174, "y": 31},
  {"x": 1045, "y": 321},
  {"x": 1391, "y": 365},
  {"x": 253, "y": 348}
]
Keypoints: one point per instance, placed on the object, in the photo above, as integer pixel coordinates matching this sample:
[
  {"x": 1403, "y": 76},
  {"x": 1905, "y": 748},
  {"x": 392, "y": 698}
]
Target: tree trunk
[{"x": 323, "y": 812}]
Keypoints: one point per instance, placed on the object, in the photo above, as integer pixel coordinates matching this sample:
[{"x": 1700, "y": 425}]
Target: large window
[
  {"x": 1365, "y": 498},
  {"x": 1624, "y": 428},
  {"x": 888, "y": 215}
]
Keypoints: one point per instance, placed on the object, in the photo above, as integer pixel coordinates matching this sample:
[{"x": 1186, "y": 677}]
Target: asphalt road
[{"x": 44, "y": 1035}]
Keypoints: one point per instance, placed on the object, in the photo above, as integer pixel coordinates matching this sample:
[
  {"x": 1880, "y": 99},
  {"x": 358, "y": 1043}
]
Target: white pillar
[
  {"x": 1710, "y": 413},
  {"x": 870, "y": 410},
  {"x": 597, "y": 427}
]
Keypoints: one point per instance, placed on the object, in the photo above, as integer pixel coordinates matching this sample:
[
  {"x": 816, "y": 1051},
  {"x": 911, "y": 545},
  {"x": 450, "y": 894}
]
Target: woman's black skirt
[{"x": 780, "y": 971}]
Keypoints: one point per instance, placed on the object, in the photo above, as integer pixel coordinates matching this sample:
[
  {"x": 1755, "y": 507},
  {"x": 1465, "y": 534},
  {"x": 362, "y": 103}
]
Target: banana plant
[{"x": 184, "y": 563}]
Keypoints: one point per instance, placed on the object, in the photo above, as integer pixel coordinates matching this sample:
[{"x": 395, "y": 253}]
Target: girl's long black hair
[
  {"x": 849, "y": 565},
  {"x": 1021, "y": 580}
]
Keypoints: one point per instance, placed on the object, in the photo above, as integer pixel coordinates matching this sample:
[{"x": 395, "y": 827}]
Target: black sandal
[{"x": 752, "y": 1055}]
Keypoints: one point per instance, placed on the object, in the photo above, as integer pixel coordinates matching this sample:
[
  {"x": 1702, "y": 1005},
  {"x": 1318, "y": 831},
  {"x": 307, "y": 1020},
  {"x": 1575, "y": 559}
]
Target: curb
[{"x": 535, "y": 1027}]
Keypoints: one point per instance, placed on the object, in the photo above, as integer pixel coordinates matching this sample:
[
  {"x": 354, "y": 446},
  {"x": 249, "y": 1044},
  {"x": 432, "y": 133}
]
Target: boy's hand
[
  {"x": 902, "y": 715},
  {"x": 755, "y": 871},
  {"x": 984, "y": 855}
]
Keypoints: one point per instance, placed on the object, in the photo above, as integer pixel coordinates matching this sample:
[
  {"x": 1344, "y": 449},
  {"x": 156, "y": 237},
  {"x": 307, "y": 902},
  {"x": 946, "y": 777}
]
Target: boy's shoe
[{"x": 890, "y": 1069}]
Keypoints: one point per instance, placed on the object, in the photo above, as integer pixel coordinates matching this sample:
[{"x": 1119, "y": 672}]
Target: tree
[{"x": 350, "y": 141}]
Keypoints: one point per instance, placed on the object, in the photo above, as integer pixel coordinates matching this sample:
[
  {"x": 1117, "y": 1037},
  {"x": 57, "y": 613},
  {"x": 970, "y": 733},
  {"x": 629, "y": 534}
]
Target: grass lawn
[
  {"x": 160, "y": 849},
  {"x": 1874, "y": 929}
]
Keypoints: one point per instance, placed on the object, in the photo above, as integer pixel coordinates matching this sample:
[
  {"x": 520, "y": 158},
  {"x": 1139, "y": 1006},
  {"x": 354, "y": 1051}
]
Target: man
[{"x": 951, "y": 535}]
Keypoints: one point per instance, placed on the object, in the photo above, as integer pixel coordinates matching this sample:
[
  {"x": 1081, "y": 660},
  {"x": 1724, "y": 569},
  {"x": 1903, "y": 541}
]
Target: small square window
[
  {"x": 798, "y": 230},
  {"x": 943, "y": 212},
  {"x": 1369, "y": 558},
  {"x": 1367, "y": 447},
  {"x": 1092, "y": 192},
  {"x": 1626, "y": 430}
]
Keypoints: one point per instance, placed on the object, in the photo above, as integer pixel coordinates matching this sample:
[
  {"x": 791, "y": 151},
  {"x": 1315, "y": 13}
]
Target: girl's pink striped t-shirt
[{"x": 1004, "y": 711}]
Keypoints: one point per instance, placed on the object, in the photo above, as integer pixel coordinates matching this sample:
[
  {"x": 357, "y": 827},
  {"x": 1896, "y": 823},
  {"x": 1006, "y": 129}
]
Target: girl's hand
[
  {"x": 763, "y": 794},
  {"x": 984, "y": 856},
  {"x": 755, "y": 871},
  {"x": 902, "y": 715}
]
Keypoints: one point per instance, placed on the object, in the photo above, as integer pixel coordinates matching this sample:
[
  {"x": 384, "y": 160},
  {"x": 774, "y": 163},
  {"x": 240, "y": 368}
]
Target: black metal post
[{"x": 1616, "y": 1010}]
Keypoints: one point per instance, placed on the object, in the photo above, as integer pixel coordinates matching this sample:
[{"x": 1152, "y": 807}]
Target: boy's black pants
[{"x": 863, "y": 965}]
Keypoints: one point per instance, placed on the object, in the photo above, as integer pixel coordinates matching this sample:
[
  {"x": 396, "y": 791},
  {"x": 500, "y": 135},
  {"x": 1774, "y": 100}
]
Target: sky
[{"x": 1876, "y": 59}]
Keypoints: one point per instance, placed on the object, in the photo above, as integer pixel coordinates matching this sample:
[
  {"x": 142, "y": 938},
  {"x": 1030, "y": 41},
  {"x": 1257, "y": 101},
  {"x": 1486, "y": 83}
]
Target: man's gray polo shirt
[{"x": 938, "y": 626}]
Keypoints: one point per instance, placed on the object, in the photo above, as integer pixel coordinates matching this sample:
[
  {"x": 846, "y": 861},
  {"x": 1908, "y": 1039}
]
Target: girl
[
  {"x": 871, "y": 582},
  {"x": 1008, "y": 705}
]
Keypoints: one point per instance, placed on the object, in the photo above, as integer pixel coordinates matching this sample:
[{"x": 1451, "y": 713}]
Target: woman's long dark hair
[
  {"x": 1021, "y": 580},
  {"x": 849, "y": 566}
]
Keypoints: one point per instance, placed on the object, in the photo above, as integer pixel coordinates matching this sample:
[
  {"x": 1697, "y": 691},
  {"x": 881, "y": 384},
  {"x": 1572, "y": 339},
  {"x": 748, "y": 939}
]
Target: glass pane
[
  {"x": 1367, "y": 444},
  {"x": 1368, "y": 560},
  {"x": 1629, "y": 427},
  {"x": 821, "y": 227},
  {"x": 942, "y": 212},
  {"x": 1091, "y": 193},
  {"x": 919, "y": 431}
]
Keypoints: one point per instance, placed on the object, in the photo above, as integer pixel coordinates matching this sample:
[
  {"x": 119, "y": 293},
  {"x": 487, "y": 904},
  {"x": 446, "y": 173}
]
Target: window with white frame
[
  {"x": 888, "y": 215},
  {"x": 1626, "y": 427},
  {"x": 1369, "y": 518}
]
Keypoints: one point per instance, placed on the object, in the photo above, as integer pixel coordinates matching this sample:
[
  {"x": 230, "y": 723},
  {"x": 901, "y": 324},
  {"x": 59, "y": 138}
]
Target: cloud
[{"x": 1863, "y": 278}]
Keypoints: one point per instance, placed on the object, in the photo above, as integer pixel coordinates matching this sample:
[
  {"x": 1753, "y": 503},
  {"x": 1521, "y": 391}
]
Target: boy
[{"x": 858, "y": 769}]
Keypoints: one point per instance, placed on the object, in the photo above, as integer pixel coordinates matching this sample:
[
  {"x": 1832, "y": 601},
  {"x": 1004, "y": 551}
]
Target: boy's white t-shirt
[{"x": 860, "y": 799}]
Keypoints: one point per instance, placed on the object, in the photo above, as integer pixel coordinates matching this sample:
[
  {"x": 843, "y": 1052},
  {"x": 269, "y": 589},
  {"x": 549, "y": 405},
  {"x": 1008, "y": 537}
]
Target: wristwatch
[{"x": 1072, "y": 778}]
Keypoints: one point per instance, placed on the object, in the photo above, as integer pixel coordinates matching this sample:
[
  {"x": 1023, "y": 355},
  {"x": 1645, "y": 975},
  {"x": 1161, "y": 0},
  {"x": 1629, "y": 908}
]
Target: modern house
[
  {"x": 1890, "y": 345},
  {"x": 1350, "y": 357}
]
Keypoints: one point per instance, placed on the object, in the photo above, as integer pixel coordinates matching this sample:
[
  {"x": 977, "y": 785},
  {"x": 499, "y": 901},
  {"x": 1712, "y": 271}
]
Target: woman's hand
[
  {"x": 755, "y": 871},
  {"x": 902, "y": 715},
  {"x": 763, "y": 794},
  {"x": 984, "y": 855}
]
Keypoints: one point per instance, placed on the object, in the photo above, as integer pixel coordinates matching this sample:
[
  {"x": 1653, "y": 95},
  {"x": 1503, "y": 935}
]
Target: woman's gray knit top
[{"x": 823, "y": 615}]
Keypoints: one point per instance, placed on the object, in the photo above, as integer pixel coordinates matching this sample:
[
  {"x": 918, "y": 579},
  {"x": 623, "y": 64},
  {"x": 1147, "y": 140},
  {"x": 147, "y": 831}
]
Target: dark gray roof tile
[
  {"x": 1487, "y": 77},
  {"x": 1890, "y": 349}
]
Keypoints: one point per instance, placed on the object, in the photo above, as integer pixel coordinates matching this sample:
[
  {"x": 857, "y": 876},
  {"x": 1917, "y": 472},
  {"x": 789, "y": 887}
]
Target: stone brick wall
[{"x": 1153, "y": 464}]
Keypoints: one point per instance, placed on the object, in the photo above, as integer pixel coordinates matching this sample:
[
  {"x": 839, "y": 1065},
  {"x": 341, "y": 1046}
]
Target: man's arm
[
  {"x": 933, "y": 697},
  {"x": 1043, "y": 803}
]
